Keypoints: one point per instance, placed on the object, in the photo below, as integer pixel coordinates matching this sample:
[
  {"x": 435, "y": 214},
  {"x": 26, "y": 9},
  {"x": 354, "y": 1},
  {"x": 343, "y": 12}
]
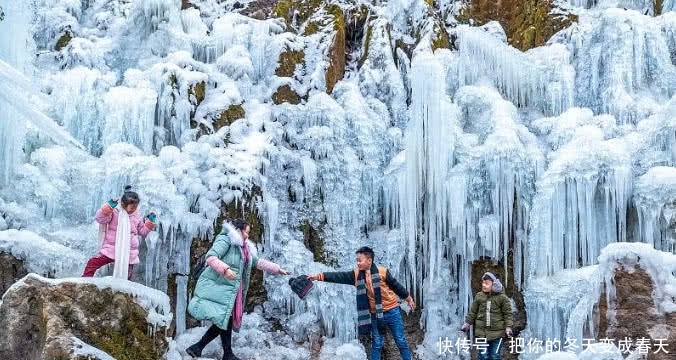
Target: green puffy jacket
[
  {"x": 491, "y": 314},
  {"x": 214, "y": 296}
]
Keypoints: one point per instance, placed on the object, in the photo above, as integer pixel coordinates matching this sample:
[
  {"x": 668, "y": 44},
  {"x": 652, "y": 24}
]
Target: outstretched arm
[
  {"x": 268, "y": 266},
  {"x": 341, "y": 277}
]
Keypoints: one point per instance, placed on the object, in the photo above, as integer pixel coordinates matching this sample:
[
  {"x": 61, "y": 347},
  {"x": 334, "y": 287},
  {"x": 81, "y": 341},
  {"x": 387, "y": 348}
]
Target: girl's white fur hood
[{"x": 235, "y": 237}]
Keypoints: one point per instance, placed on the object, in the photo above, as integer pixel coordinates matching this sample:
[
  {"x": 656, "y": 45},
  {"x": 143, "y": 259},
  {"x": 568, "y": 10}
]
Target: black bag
[{"x": 201, "y": 265}]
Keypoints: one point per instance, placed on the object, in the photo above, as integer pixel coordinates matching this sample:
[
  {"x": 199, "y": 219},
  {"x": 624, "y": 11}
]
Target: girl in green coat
[{"x": 221, "y": 289}]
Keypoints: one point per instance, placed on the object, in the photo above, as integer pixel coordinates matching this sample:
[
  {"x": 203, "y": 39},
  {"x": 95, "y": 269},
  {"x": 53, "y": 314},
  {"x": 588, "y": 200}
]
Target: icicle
[
  {"x": 148, "y": 15},
  {"x": 653, "y": 198},
  {"x": 309, "y": 175},
  {"x": 181, "y": 302},
  {"x": 518, "y": 76},
  {"x": 18, "y": 95},
  {"x": 571, "y": 224},
  {"x": 625, "y": 87},
  {"x": 130, "y": 117},
  {"x": 271, "y": 221},
  {"x": 78, "y": 104},
  {"x": 258, "y": 48},
  {"x": 558, "y": 306},
  {"x": 644, "y": 6},
  {"x": 429, "y": 147}
]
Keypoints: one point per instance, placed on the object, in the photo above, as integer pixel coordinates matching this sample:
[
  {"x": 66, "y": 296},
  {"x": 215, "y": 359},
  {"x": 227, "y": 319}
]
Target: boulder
[
  {"x": 11, "y": 270},
  {"x": 83, "y": 318}
]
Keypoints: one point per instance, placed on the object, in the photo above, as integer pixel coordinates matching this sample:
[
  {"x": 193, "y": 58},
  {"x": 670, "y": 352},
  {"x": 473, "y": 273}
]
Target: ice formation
[{"x": 537, "y": 160}]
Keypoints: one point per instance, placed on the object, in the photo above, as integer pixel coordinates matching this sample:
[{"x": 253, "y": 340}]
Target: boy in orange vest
[{"x": 378, "y": 294}]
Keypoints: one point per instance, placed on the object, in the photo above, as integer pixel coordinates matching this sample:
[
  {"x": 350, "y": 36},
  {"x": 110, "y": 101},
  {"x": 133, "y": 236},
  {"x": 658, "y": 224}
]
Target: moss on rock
[
  {"x": 313, "y": 241},
  {"x": 232, "y": 113},
  {"x": 367, "y": 44},
  {"x": 128, "y": 342},
  {"x": 336, "y": 69},
  {"x": 47, "y": 316},
  {"x": 172, "y": 80},
  {"x": 285, "y": 94},
  {"x": 311, "y": 28},
  {"x": 198, "y": 90},
  {"x": 186, "y": 4},
  {"x": 288, "y": 59},
  {"x": 440, "y": 37},
  {"x": 302, "y": 9},
  {"x": 63, "y": 41},
  {"x": 527, "y": 23},
  {"x": 658, "y": 7}
]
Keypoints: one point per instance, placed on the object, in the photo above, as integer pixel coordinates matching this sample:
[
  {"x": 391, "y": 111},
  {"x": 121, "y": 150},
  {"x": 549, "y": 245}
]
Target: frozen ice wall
[
  {"x": 644, "y": 6},
  {"x": 631, "y": 88},
  {"x": 537, "y": 160},
  {"x": 13, "y": 53}
]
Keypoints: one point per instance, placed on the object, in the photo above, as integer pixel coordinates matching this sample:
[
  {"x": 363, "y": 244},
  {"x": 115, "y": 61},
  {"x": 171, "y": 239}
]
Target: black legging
[{"x": 226, "y": 337}]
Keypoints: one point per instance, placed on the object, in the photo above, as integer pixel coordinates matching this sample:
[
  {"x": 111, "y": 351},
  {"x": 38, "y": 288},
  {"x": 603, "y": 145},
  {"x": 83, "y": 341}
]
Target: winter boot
[
  {"x": 230, "y": 356},
  {"x": 196, "y": 349}
]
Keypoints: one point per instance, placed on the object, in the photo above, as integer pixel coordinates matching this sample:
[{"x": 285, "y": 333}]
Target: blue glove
[
  {"x": 112, "y": 203},
  {"x": 152, "y": 217}
]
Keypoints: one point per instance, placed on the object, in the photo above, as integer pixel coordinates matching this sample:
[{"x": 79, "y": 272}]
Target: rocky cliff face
[
  {"x": 82, "y": 319},
  {"x": 637, "y": 316},
  {"x": 11, "y": 270}
]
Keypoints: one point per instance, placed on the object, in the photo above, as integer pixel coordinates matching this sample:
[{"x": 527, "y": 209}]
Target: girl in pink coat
[{"x": 111, "y": 217}]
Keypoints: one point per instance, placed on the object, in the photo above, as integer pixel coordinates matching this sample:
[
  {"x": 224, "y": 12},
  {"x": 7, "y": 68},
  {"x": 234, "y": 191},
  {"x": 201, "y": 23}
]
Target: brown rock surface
[
  {"x": 11, "y": 270},
  {"x": 636, "y": 315},
  {"x": 50, "y": 319}
]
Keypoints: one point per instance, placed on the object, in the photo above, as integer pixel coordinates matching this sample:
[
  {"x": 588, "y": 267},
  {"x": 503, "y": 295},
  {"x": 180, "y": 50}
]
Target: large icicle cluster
[
  {"x": 429, "y": 145},
  {"x": 654, "y": 199},
  {"x": 581, "y": 202},
  {"x": 543, "y": 80},
  {"x": 535, "y": 160},
  {"x": 641, "y": 74}
]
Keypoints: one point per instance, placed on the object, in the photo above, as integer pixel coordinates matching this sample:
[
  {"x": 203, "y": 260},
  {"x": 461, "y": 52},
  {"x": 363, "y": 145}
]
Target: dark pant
[
  {"x": 395, "y": 322},
  {"x": 493, "y": 352},
  {"x": 226, "y": 338},
  {"x": 99, "y": 261}
]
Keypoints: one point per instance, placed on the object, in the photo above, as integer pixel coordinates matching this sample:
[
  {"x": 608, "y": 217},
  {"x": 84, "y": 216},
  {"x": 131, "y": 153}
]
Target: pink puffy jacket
[{"x": 107, "y": 216}]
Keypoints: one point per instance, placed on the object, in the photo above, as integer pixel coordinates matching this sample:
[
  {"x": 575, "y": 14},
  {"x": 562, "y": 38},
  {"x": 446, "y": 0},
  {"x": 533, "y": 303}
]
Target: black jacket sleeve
[
  {"x": 341, "y": 277},
  {"x": 398, "y": 289}
]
